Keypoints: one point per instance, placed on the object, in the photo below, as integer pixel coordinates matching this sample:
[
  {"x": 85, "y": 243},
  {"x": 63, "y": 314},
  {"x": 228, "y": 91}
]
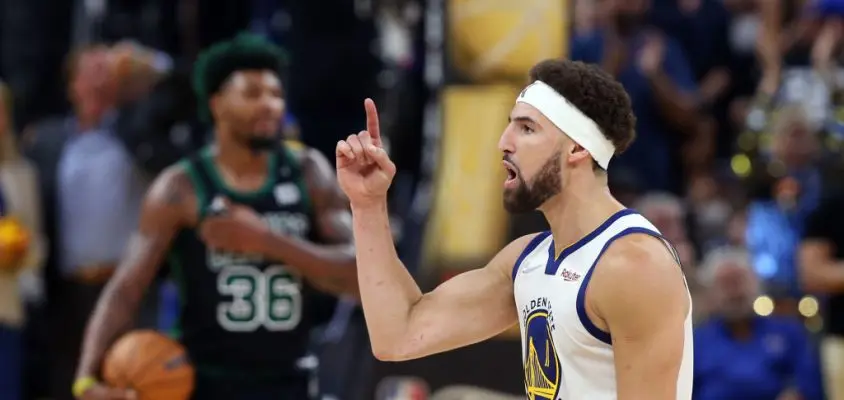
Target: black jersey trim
[
  {"x": 296, "y": 164},
  {"x": 207, "y": 163},
  {"x": 200, "y": 187}
]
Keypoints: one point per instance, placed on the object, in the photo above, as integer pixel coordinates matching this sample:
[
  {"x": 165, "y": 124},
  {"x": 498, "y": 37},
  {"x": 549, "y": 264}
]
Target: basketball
[
  {"x": 155, "y": 366},
  {"x": 14, "y": 240}
]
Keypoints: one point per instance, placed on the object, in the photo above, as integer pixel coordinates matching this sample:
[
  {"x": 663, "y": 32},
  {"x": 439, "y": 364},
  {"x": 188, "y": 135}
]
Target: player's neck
[
  {"x": 575, "y": 213},
  {"x": 240, "y": 160}
]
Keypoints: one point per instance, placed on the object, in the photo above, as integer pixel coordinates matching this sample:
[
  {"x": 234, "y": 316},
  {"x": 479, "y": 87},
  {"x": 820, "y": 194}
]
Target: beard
[
  {"x": 262, "y": 143},
  {"x": 528, "y": 197},
  {"x": 258, "y": 142}
]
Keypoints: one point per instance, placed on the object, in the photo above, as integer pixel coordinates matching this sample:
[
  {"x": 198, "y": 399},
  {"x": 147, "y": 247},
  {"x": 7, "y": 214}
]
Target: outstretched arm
[
  {"x": 162, "y": 215},
  {"x": 638, "y": 294},
  {"x": 769, "y": 45},
  {"x": 403, "y": 322}
]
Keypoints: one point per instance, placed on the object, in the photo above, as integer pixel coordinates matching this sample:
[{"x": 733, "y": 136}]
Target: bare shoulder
[
  {"x": 321, "y": 180},
  {"x": 638, "y": 254},
  {"x": 172, "y": 194},
  {"x": 305, "y": 156},
  {"x": 316, "y": 165},
  {"x": 174, "y": 181},
  {"x": 638, "y": 273},
  {"x": 505, "y": 260}
]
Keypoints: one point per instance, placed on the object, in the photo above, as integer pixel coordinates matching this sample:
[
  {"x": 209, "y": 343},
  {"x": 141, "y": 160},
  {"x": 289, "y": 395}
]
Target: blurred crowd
[
  {"x": 740, "y": 133},
  {"x": 737, "y": 160}
]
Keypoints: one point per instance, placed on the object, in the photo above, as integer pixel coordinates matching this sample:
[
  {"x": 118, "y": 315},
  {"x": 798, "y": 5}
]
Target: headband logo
[{"x": 522, "y": 94}]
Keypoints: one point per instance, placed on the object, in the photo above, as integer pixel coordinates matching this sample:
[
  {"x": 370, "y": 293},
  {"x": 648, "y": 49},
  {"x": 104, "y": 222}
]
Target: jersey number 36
[{"x": 270, "y": 298}]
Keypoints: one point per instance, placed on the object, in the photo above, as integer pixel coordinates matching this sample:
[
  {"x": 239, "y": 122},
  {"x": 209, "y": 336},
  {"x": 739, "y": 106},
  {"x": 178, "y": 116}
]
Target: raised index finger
[{"x": 372, "y": 124}]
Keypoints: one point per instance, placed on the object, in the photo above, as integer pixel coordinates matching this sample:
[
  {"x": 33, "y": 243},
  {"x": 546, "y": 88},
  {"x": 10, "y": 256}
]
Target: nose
[
  {"x": 272, "y": 104},
  {"x": 505, "y": 142}
]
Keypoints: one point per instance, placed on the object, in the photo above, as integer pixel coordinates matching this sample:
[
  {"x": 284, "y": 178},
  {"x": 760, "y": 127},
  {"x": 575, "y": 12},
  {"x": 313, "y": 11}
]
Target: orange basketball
[
  {"x": 155, "y": 366},
  {"x": 14, "y": 240}
]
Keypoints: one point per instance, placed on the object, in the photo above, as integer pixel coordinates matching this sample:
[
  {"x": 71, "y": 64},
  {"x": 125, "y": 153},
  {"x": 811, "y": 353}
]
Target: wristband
[{"x": 81, "y": 385}]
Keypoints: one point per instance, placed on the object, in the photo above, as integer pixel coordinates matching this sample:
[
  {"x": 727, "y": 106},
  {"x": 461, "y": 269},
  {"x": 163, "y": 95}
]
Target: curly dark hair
[
  {"x": 595, "y": 93},
  {"x": 215, "y": 65}
]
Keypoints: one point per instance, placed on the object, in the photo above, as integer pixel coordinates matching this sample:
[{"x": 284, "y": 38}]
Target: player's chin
[
  {"x": 511, "y": 203},
  {"x": 513, "y": 208},
  {"x": 264, "y": 133}
]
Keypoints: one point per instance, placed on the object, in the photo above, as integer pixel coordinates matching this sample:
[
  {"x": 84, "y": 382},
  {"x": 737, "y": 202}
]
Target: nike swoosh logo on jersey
[{"x": 530, "y": 268}]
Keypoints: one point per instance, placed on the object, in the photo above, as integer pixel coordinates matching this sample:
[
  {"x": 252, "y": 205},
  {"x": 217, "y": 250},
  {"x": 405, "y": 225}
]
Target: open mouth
[{"x": 512, "y": 174}]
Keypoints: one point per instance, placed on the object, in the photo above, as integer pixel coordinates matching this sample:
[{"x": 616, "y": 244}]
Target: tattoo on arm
[
  {"x": 331, "y": 205},
  {"x": 175, "y": 192}
]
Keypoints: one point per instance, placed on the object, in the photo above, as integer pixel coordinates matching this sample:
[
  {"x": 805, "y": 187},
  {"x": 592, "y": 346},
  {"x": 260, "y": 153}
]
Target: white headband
[{"x": 570, "y": 120}]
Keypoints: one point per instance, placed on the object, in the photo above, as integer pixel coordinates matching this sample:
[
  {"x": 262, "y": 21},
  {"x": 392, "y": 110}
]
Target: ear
[
  {"x": 215, "y": 105},
  {"x": 577, "y": 154}
]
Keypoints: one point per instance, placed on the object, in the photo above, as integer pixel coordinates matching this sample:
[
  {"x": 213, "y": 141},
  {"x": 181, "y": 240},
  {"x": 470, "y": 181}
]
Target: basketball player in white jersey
[{"x": 601, "y": 301}]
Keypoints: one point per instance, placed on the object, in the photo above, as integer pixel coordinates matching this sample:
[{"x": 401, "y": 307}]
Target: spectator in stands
[
  {"x": 659, "y": 80},
  {"x": 740, "y": 355},
  {"x": 786, "y": 185},
  {"x": 668, "y": 213},
  {"x": 92, "y": 192},
  {"x": 157, "y": 120},
  {"x": 737, "y": 229},
  {"x": 710, "y": 212},
  {"x": 19, "y": 202},
  {"x": 826, "y": 52},
  {"x": 743, "y": 35},
  {"x": 822, "y": 271},
  {"x": 137, "y": 69},
  {"x": 702, "y": 29}
]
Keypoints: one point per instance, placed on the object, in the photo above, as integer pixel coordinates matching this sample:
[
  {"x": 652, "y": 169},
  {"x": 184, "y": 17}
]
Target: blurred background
[{"x": 738, "y": 162}]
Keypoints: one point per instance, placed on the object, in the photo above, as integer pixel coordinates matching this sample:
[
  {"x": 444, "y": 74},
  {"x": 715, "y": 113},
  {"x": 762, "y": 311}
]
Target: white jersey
[{"x": 567, "y": 357}]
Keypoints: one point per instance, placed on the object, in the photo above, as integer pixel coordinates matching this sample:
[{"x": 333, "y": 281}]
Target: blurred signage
[
  {"x": 469, "y": 222},
  {"x": 493, "y": 40}
]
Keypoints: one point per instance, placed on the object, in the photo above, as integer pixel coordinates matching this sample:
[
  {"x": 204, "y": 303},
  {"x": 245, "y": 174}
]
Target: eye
[{"x": 526, "y": 128}]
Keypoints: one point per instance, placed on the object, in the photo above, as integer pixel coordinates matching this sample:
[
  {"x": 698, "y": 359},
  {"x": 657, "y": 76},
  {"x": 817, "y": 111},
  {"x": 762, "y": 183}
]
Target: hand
[
  {"x": 237, "y": 229},
  {"x": 714, "y": 84},
  {"x": 652, "y": 54},
  {"x": 364, "y": 170},
  {"x": 102, "y": 392}
]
